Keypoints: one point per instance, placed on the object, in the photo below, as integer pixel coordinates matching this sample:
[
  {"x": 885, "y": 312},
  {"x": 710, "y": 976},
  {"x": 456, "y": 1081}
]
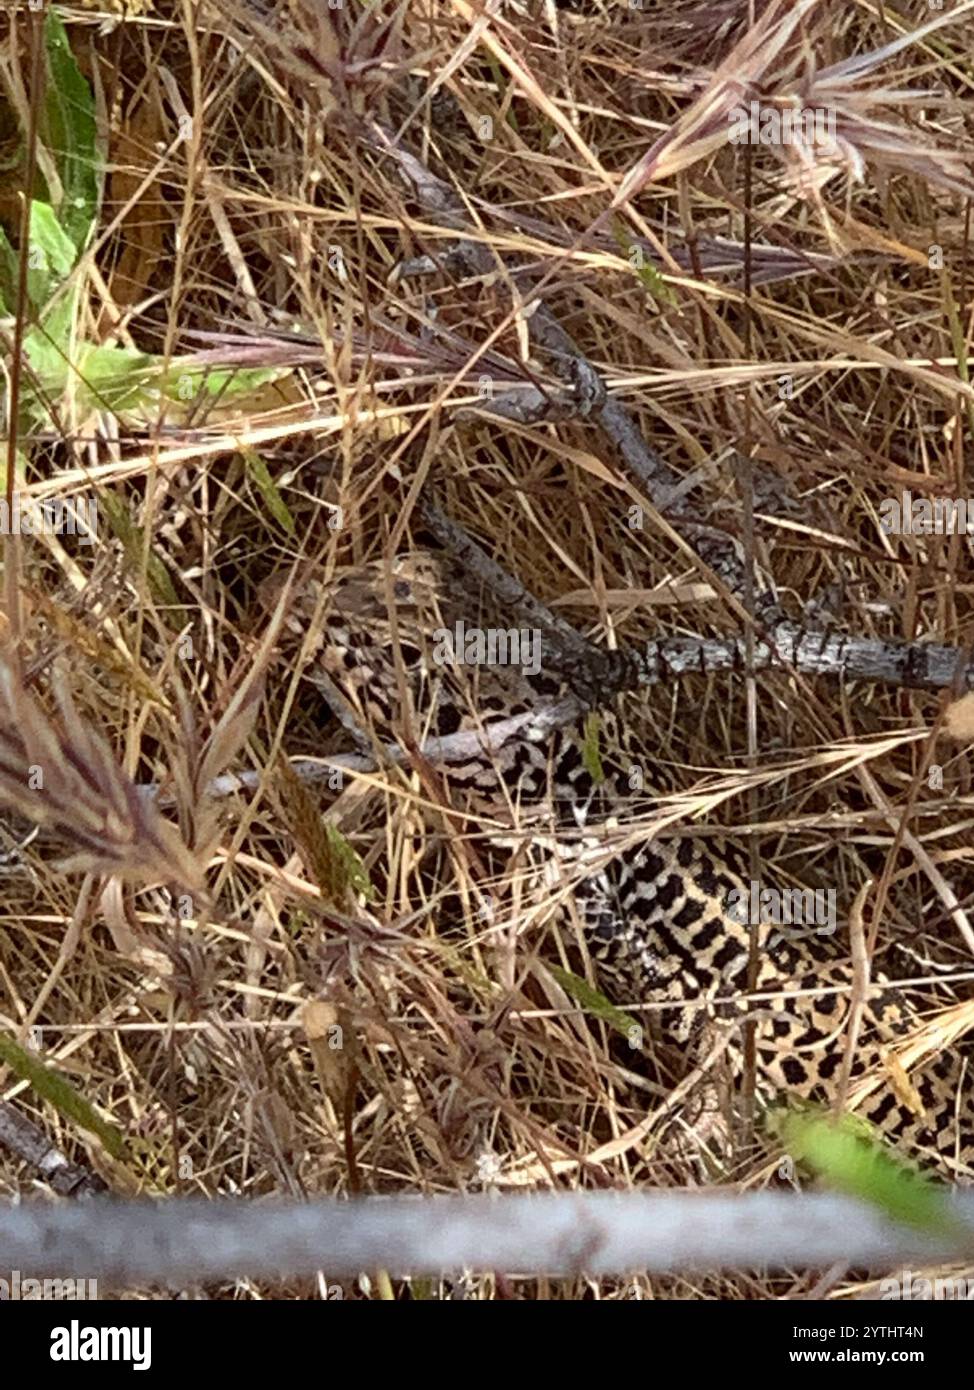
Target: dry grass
[{"x": 193, "y": 1018}]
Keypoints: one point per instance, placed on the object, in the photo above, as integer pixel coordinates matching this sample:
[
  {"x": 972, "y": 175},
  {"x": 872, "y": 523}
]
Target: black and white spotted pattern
[{"x": 655, "y": 913}]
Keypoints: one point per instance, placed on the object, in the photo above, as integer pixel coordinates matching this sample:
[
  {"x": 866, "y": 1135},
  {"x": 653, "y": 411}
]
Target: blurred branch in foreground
[{"x": 177, "y": 1241}]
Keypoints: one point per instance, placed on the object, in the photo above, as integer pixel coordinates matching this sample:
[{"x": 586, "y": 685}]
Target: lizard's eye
[{"x": 401, "y": 588}]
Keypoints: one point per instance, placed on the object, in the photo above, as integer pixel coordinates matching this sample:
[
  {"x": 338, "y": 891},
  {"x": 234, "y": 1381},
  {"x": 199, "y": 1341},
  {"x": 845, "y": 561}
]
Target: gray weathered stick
[
  {"x": 22, "y": 1137},
  {"x": 183, "y": 1240},
  {"x": 664, "y": 487},
  {"x": 913, "y": 665}
]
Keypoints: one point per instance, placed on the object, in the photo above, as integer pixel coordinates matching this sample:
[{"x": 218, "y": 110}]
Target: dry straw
[{"x": 61, "y": 774}]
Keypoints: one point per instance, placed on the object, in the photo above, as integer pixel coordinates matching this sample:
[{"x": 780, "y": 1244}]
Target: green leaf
[
  {"x": 650, "y": 277},
  {"x": 348, "y": 870},
  {"x": 61, "y": 225},
  {"x": 70, "y": 132},
  {"x": 333, "y": 863},
  {"x": 9, "y": 271},
  {"x": 133, "y": 543},
  {"x": 50, "y": 257},
  {"x": 267, "y": 488},
  {"x": 102, "y": 378},
  {"x": 116, "y": 379},
  {"x": 591, "y": 758},
  {"x": 186, "y": 383},
  {"x": 845, "y": 1151},
  {"x": 53, "y": 1088},
  {"x": 595, "y": 1003},
  {"x": 125, "y": 381}
]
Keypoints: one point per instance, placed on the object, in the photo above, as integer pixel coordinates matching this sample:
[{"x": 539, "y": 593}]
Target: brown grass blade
[{"x": 62, "y": 775}]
